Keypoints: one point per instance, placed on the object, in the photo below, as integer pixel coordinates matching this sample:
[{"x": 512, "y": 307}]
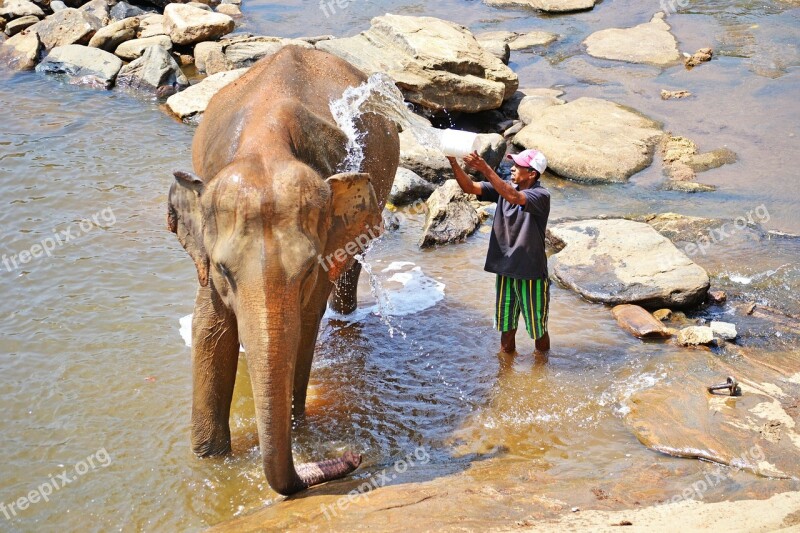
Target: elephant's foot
[
  {"x": 316, "y": 473},
  {"x": 212, "y": 447}
]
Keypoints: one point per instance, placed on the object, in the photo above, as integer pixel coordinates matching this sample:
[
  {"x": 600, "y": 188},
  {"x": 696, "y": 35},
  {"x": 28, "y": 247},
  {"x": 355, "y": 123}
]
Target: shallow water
[{"x": 92, "y": 359}]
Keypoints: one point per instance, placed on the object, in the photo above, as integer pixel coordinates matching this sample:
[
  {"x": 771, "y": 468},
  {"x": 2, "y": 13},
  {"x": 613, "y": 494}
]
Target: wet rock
[
  {"x": 677, "y": 227},
  {"x": 592, "y": 140},
  {"x": 68, "y": 26},
  {"x": 82, "y": 65},
  {"x": 17, "y": 25},
  {"x": 696, "y": 335},
  {"x": 674, "y": 95},
  {"x": 409, "y": 187},
  {"x": 619, "y": 261},
  {"x": 687, "y": 186},
  {"x": 531, "y": 39},
  {"x": 549, "y": 6},
  {"x": 238, "y": 52},
  {"x": 123, "y": 10},
  {"x": 14, "y": 9},
  {"x": 21, "y": 51},
  {"x": 116, "y": 33},
  {"x": 701, "y": 56},
  {"x": 156, "y": 68},
  {"x": 650, "y": 43},
  {"x": 150, "y": 26},
  {"x": 662, "y": 314},
  {"x": 451, "y": 218},
  {"x": 437, "y": 64},
  {"x": 716, "y": 297},
  {"x": 677, "y": 149},
  {"x": 189, "y": 25},
  {"x": 724, "y": 330},
  {"x": 99, "y": 9},
  {"x": 536, "y": 101},
  {"x": 229, "y": 9},
  {"x": 133, "y": 49},
  {"x": 638, "y": 322},
  {"x": 192, "y": 102}
]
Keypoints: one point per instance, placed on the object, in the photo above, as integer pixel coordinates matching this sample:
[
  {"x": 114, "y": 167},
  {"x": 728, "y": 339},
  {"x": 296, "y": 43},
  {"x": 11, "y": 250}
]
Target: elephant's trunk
[{"x": 271, "y": 345}]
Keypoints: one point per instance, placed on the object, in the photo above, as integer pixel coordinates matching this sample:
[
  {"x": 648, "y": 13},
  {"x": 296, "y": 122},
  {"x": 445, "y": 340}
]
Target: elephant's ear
[
  {"x": 186, "y": 221},
  {"x": 355, "y": 220}
]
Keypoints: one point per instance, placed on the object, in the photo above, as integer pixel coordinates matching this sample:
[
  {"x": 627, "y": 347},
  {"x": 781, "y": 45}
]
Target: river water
[{"x": 96, "y": 377}]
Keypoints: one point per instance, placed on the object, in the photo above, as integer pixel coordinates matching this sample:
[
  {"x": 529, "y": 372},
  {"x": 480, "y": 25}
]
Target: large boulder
[
  {"x": 14, "y": 9},
  {"x": 549, "y": 6},
  {"x": 451, "y": 217},
  {"x": 156, "y": 68},
  {"x": 408, "y": 187},
  {"x": 189, "y": 25},
  {"x": 21, "y": 51},
  {"x": 65, "y": 27},
  {"x": 116, "y": 33},
  {"x": 82, "y": 65},
  {"x": 619, "y": 261},
  {"x": 437, "y": 64},
  {"x": 238, "y": 52},
  {"x": 592, "y": 140},
  {"x": 188, "y": 105},
  {"x": 650, "y": 43}
]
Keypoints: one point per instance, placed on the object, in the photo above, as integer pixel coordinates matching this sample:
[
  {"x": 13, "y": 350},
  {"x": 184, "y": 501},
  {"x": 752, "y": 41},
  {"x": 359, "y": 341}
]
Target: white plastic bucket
[{"x": 457, "y": 143}]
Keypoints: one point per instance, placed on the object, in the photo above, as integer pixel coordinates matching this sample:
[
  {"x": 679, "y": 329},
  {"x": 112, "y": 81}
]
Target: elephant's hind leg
[
  {"x": 215, "y": 356},
  {"x": 344, "y": 298}
]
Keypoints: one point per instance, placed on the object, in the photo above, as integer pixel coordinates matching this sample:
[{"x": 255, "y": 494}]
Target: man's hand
[{"x": 476, "y": 162}]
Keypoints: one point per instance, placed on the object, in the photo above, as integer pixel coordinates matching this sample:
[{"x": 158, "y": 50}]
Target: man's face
[{"x": 523, "y": 177}]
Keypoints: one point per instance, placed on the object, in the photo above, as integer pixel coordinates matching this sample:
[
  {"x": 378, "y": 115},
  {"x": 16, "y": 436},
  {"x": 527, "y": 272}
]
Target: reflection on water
[{"x": 92, "y": 358}]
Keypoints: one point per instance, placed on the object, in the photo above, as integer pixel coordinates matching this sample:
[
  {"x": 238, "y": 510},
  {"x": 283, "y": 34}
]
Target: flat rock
[
  {"x": 650, "y": 43},
  {"x": 537, "y": 100},
  {"x": 82, "y": 65},
  {"x": 189, "y": 25},
  {"x": 21, "y": 51},
  {"x": 592, "y": 140},
  {"x": 724, "y": 330},
  {"x": 156, "y": 68},
  {"x": 498, "y": 49},
  {"x": 451, "y": 217},
  {"x": 133, "y": 49},
  {"x": 14, "y": 9},
  {"x": 17, "y": 25},
  {"x": 524, "y": 41},
  {"x": 695, "y": 336},
  {"x": 437, "y": 64},
  {"x": 68, "y": 26},
  {"x": 638, "y": 322},
  {"x": 110, "y": 37},
  {"x": 408, "y": 187},
  {"x": 674, "y": 95},
  {"x": 192, "y": 102},
  {"x": 548, "y": 6},
  {"x": 618, "y": 261},
  {"x": 212, "y": 57},
  {"x": 687, "y": 186}
]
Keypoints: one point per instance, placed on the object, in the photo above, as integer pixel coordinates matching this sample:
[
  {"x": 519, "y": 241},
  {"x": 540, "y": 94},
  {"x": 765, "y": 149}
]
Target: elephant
[{"x": 270, "y": 220}]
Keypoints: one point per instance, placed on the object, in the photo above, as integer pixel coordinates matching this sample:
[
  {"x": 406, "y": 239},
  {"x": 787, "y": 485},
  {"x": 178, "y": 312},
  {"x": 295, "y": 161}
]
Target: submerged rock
[
  {"x": 82, "y": 65},
  {"x": 674, "y": 95},
  {"x": 701, "y": 56},
  {"x": 189, "y": 25},
  {"x": 156, "y": 68},
  {"x": 409, "y": 187},
  {"x": 696, "y": 335},
  {"x": 650, "y": 43},
  {"x": 192, "y": 102},
  {"x": 451, "y": 217},
  {"x": 549, "y": 6},
  {"x": 592, "y": 140},
  {"x": 638, "y": 322},
  {"x": 618, "y": 261},
  {"x": 437, "y": 64}
]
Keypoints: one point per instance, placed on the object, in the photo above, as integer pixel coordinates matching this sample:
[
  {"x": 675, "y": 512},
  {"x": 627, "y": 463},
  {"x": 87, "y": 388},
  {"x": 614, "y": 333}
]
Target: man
[{"x": 516, "y": 247}]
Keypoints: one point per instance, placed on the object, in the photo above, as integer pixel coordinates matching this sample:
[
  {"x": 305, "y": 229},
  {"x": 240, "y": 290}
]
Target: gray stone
[
  {"x": 492, "y": 148},
  {"x": 116, "y": 33},
  {"x": 57, "y": 5},
  {"x": 68, "y": 26},
  {"x": 437, "y": 64},
  {"x": 21, "y": 51},
  {"x": 99, "y": 9},
  {"x": 531, "y": 39},
  {"x": 592, "y": 140},
  {"x": 695, "y": 335},
  {"x": 409, "y": 187},
  {"x": 133, "y": 49},
  {"x": 17, "y": 25},
  {"x": 82, "y": 65},
  {"x": 123, "y": 10},
  {"x": 619, "y": 261},
  {"x": 451, "y": 217},
  {"x": 14, "y": 9},
  {"x": 687, "y": 186},
  {"x": 724, "y": 330},
  {"x": 189, "y": 25},
  {"x": 549, "y": 6},
  {"x": 189, "y": 104},
  {"x": 156, "y": 68},
  {"x": 650, "y": 43}
]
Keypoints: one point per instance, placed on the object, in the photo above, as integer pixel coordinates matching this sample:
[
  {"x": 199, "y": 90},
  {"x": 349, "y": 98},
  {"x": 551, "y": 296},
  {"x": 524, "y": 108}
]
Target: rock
[
  {"x": 189, "y": 25},
  {"x": 14, "y": 9},
  {"x": 21, "y": 51},
  {"x": 492, "y": 147},
  {"x": 2, "y": 26},
  {"x": 451, "y": 218},
  {"x": 716, "y": 297},
  {"x": 133, "y": 49},
  {"x": 515, "y": 128},
  {"x": 695, "y": 335},
  {"x": 99, "y": 9},
  {"x": 116, "y": 33},
  {"x": 662, "y": 314},
  {"x": 650, "y": 43},
  {"x": 592, "y": 140},
  {"x": 423, "y": 159},
  {"x": 154, "y": 69},
  {"x": 238, "y": 52},
  {"x": 437, "y": 64},
  {"x": 68, "y": 26},
  {"x": 638, "y": 322},
  {"x": 230, "y": 10},
  {"x": 124, "y": 10},
  {"x": 549, "y": 6},
  {"x": 674, "y": 95},
  {"x": 57, "y": 5},
  {"x": 497, "y": 35},
  {"x": 150, "y": 26},
  {"x": 498, "y": 49},
  {"x": 617, "y": 261},
  {"x": 82, "y": 65},
  {"x": 676, "y": 150},
  {"x": 192, "y": 102},
  {"x": 687, "y": 186},
  {"x": 536, "y": 101},
  {"x": 17, "y": 25},
  {"x": 200, "y": 5},
  {"x": 534, "y": 38},
  {"x": 724, "y": 330},
  {"x": 408, "y": 187},
  {"x": 701, "y": 56}
]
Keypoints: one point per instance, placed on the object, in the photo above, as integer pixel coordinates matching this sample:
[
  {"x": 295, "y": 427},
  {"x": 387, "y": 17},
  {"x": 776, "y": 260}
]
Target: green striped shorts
[{"x": 530, "y": 296}]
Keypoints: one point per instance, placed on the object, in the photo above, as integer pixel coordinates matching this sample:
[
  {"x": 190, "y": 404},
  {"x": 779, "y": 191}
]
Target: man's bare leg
[{"x": 508, "y": 341}]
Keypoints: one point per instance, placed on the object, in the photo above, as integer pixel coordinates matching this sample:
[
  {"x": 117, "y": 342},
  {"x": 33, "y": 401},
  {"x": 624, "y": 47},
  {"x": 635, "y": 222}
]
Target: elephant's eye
[{"x": 226, "y": 274}]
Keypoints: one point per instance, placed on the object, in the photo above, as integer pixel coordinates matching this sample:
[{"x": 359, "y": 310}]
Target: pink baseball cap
[{"x": 530, "y": 158}]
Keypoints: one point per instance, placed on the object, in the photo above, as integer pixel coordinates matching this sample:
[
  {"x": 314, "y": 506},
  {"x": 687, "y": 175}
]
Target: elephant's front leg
[
  {"x": 309, "y": 330},
  {"x": 215, "y": 356}
]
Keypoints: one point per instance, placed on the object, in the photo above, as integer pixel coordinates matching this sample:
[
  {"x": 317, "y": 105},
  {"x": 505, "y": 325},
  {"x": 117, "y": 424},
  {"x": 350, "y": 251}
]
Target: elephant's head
[{"x": 270, "y": 238}]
